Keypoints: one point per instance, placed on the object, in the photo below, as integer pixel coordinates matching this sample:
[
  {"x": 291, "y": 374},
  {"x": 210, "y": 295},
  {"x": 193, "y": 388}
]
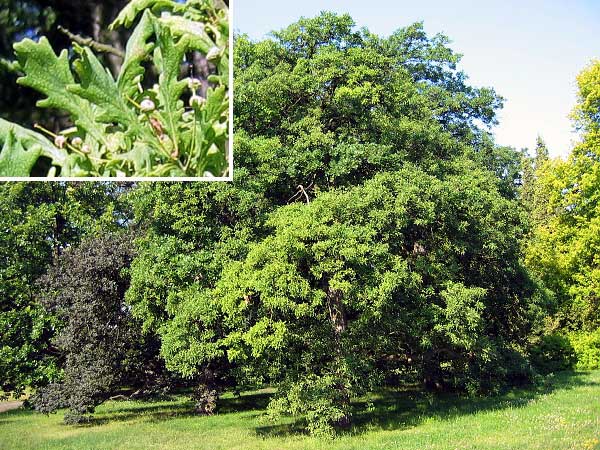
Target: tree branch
[
  {"x": 304, "y": 192},
  {"x": 92, "y": 43}
]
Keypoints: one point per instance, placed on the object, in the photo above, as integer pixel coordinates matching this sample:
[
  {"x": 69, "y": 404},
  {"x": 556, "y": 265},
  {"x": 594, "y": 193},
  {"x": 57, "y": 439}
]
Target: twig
[
  {"x": 294, "y": 196},
  {"x": 304, "y": 192},
  {"x": 105, "y": 48}
]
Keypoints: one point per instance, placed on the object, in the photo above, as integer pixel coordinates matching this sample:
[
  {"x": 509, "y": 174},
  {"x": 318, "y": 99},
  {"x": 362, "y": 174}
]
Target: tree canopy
[{"x": 366, "y": 197}]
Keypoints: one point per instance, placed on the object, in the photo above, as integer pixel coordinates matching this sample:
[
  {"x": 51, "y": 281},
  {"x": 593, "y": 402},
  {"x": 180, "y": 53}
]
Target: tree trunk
[
  {"x": 337, "y": 315},
  {"x": 339, "y": 322},
  {"x": 97, "y": 19},
  {"x": 207, "y": 393},
  {"x": 102, "y": 15}
]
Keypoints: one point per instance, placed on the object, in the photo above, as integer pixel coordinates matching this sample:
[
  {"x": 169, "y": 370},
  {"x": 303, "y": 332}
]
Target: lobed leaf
[
  {"x": 119, "y": 134},
  {"x": 22, "y": 148},
  {"x": 131, "y": 11},
  {"x": 50, "y": 75},
  {"x": 98, "y": 87},
  {"x": 194, "y": 32},
  {"x": 168, "y": 60},
  {"x": 15, "y": 161},
  {"x": 47, "y": 73},
  {"x": 136, "y": 52}
]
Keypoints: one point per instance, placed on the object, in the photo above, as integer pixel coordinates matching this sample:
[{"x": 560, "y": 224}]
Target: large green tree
[
  {"x": 370, "y": 235},
  {"x": 410, "y": 273}
]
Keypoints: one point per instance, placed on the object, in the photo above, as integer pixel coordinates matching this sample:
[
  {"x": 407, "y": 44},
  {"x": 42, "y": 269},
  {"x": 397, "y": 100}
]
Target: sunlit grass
[{"x": 564, "y": 414}]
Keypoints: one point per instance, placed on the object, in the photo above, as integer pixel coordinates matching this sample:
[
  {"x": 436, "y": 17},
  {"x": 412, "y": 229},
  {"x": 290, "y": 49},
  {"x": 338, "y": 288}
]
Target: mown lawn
[{"x": 562, "y": 414}]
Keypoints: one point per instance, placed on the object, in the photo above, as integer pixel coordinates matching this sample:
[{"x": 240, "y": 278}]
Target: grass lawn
[{"x": 564, "y": 414}]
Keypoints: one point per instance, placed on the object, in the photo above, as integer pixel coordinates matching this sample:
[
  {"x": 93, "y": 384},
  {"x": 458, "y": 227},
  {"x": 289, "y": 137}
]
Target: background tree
[
  {"x": 40, "y": 220},
  {"x": 566, "y": 211},
  {"x": 101, "y": 344}
]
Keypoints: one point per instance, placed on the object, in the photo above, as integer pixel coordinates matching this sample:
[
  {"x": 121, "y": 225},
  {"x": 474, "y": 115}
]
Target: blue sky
[{"x": 530, "y": 51}]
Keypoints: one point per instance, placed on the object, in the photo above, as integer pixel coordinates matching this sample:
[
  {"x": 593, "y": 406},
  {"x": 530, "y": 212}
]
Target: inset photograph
[{"x": 116, "y": 89}]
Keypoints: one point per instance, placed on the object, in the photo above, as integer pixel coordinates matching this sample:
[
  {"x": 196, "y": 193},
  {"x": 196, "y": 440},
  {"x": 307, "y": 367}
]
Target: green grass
[{"x": 564, "y": 414}]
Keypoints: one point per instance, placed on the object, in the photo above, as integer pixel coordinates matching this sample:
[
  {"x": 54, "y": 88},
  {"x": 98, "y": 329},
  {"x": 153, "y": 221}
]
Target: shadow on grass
[
  {"x": 403, "y": 409},
  {"x": 166, "y": 411},
  {"x": 246, "y": 402},
  {"x": 151, "y": 412},
  {"x": 392, "y": 409}
]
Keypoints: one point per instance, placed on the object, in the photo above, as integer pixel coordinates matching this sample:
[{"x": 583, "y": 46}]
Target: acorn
[
  {"x": 196, "y": 101},
  {"x": 194, "y": 83},
  {"x": 77, "y": 142},
  {"x": 147, "y": 105},
  {"x": 213, "y": 53},
  {"x": 60, "y": 141}
]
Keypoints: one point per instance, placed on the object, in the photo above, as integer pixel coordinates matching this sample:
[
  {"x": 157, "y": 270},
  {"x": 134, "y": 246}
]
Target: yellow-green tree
[{"x": 565, "y": 246}]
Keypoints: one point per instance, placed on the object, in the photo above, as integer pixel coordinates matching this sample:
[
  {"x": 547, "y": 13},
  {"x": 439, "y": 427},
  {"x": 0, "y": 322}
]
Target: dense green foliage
[
  {"x": 587, "y": 349},
  {"x": 121, "y": 127},
  {"x": 398, "y": 255},
  {"x": 398, "y": 223},
  {"x": 38, "y": 222},
  {"x": 563, "y": 249},
  {"x": 552, "y": 353}
]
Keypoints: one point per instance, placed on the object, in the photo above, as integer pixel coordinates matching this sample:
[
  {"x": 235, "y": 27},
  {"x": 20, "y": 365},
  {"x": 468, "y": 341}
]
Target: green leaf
[
  {"x": 194, "y": 32},
  {"x": 168, "y": 60},
  {"x": 131, "y": 11},
  {"x": 140, "y": 156},
  {"x": 30, "y": 141},
  {"x": 108, "y": 114},
  {"x": 98, "y": 87},
  {"x": 47, "y": 73},
  {"x": 136, "y": 52},
  {"x": 50, "y": 75},
  {"x": 15, "y": 161}
]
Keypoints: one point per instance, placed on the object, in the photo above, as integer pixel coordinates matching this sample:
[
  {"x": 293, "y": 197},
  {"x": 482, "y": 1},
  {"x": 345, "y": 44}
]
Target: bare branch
[
  {"x": 304, "y": 192},
  {"x": 92, "y": 43}
]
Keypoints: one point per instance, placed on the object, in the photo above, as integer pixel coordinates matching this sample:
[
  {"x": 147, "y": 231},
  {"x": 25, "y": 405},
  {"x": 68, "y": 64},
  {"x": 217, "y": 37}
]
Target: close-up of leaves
[{"x": 157, "y": 108}]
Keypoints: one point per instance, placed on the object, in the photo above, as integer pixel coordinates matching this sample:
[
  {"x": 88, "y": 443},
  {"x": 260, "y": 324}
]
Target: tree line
[{"x": 374, "y": 235}]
